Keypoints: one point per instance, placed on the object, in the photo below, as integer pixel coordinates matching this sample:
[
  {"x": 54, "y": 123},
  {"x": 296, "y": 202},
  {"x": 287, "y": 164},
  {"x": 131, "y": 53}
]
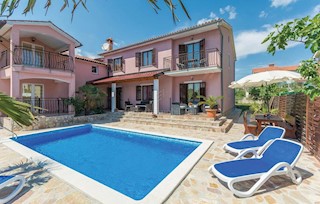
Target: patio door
[
  {"x": 190, "y": 92},
  {"x": 32, "y": 54},
  {"x": 33, "y": 94}
]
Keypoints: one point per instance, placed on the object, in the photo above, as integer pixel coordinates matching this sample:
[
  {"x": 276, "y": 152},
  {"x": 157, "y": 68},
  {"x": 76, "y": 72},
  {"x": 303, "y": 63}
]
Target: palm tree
[
  {"x": 8, "y": 6},
  {"x": 18, "y": 111}
]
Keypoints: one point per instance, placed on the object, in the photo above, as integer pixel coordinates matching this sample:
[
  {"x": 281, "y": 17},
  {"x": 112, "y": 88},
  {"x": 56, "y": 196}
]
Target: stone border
[{"x": 105, "y": 194}]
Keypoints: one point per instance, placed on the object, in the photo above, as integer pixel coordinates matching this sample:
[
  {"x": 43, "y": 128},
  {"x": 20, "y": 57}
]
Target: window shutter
[
  {"x": 138, "y": 59},
  {"x": 154, "y": 57},
  {"x": 138, "y": 93},
  {"x": 110, "y": 64},
  {"x": 183, "y": 93},
  {"x": 182, "y": 51},
  {"x": 203, "y": 89},
  {"x": 121, "y": 65},
  {"x": 202, "y": 49}
]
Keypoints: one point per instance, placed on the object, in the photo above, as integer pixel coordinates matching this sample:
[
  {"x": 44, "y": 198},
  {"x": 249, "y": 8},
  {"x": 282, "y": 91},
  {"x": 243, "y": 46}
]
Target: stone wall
[
  {"x": 313, "y": 130},
  {"x": 43, "y": 122}
]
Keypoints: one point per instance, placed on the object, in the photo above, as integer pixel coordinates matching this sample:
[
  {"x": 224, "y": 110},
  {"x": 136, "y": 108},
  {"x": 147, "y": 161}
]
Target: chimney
[{"x": 108, "y": 46}]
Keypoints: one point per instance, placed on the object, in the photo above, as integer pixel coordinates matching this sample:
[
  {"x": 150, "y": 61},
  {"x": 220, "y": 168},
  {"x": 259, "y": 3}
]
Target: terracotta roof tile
[{"x": 271, "y": 68}]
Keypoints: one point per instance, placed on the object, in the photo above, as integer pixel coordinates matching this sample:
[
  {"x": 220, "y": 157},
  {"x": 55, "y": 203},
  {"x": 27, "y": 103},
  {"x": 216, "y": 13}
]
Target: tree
[
  {"x": 306, "y": 31},
  {"x": 18, "y": 111},
  {"x": 9, "y": 6}
]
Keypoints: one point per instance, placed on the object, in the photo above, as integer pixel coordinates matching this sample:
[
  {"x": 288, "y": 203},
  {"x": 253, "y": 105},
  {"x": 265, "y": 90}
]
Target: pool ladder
[{"x": 14, "y": 134}]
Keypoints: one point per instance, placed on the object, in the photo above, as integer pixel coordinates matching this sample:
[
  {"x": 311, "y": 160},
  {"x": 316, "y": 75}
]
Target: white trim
[
  {"x": 116, "y": 57},
  {"x": 146, "y": 50},
  {"x": 193, "y": 71},
  {"x": 192, "y": 41},
  {"x": 104, "y": 193},
  {"x": 192, "y": 82},
  {"x": 148, "y": 84}
]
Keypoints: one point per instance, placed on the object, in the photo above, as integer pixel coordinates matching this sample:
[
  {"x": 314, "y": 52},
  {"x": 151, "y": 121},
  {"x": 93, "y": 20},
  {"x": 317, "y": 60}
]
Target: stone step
[
  {"x": 200, "y": 116},
  {"x": 190, "y": 121},
  {"x": 156, "y": 122}
]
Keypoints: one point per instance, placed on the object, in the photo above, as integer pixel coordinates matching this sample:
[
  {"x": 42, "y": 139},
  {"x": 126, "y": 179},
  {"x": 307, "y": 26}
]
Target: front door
[{"x": 33, "y": 94}]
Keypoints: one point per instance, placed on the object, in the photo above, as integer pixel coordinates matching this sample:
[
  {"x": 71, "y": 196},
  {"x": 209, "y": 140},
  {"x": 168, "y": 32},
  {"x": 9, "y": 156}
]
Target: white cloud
[
  {"x": 231, "y": 10},
  {"x": 79, "y": 52},
  {"x": 248, "y": 42},
  {"x": 283, "y": 3},
  {"x": 263, "y": 14},
  {"x": 119, "y": 43},
  {"x": 316, "y": 10},
  {"x": 204, "y": 20}
]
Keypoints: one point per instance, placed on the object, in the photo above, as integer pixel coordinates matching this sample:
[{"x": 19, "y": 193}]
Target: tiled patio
[{"x": 198, "y": 187}]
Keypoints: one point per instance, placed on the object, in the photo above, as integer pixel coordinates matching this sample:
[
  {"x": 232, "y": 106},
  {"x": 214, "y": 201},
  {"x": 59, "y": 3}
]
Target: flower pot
[{"x": 211, "y": 113}]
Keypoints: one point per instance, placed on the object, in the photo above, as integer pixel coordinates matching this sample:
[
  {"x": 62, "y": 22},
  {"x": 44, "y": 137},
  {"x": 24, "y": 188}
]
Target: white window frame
[{"x": 148, "y": 50}]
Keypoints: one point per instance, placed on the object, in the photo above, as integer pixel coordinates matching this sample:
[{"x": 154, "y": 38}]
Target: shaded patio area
[{"x": 198, "y": 187}]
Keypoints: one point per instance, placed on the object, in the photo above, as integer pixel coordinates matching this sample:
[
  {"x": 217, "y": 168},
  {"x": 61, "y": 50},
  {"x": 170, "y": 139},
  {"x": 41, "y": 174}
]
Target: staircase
[{"x": 190, "y": 122}]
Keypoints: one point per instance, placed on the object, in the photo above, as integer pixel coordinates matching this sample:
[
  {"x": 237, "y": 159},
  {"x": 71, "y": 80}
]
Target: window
[
  {"x": 115, "y": 64},
  {"x": 147, "y": 58},
  {"x": 144, "y": 93},
  {"x": 192, "y": 55},
  {"x": 190, "y": 92},
  {"x": 95, "y": 70}
]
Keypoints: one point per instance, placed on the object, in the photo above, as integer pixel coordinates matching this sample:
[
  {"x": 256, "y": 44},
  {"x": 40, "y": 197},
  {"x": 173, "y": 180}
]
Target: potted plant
[{"x": 212, "y": 102}]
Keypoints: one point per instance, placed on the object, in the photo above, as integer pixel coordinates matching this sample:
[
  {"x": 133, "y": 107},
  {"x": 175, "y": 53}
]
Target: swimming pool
[{"x": 130, "y": 163}]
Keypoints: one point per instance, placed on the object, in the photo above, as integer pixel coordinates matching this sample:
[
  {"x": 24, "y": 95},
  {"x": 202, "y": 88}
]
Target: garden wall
[
  {"x": 313, "y": 130},
  {"x": 43, "y": 122}
]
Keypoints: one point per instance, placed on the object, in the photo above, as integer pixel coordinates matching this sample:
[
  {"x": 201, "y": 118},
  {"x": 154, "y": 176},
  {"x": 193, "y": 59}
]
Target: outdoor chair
[
  {"x": 256, "y": 142},
  {"x": 178, "y": 109},
  {"x": 6, "y": 180},
  {"x": 276, "y": 158},
  {"x": 249, "y": 127}
]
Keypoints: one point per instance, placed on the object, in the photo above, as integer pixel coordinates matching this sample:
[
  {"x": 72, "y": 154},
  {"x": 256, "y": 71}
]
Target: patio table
[{"x": 275, "y": 119}]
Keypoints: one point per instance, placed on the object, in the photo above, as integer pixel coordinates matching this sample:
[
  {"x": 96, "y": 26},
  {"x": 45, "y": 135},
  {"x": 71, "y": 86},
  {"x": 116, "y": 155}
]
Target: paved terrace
[{"x": 198, "y": 187}]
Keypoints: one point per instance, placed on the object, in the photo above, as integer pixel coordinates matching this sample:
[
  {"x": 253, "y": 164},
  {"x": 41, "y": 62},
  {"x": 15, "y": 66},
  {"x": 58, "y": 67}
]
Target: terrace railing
[
  {"x": 47, "y": 105},
  {"x": 205, "y": 58},
  {"x": 42, "y": 59}
]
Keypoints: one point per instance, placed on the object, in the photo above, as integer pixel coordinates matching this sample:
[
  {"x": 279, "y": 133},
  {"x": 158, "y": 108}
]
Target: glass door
[
  {"x": 32, "y": 54},
  {"x": 33, "y": 95},
  {"x": 193, "y": 55}
]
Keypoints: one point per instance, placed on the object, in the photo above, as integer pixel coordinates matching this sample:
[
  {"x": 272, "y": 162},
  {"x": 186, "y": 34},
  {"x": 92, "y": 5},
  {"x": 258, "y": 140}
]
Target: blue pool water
[{"x": 128, "y": 162}]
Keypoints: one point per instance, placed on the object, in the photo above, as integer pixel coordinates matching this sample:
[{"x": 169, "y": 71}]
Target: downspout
[{"x": 221, "y": 63}]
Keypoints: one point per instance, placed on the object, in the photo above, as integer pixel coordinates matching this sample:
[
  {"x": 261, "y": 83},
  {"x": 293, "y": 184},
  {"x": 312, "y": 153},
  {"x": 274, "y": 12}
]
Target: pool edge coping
[{"x": 99, "y": 191}]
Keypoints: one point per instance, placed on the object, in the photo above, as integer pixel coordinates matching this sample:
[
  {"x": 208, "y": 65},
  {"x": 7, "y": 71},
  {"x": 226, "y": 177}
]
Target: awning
[{"x": 129, "y": 77}]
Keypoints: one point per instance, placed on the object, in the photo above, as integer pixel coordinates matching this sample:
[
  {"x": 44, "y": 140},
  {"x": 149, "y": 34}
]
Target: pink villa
[
  {"x": 172, "y": 68},
  {"x": 175, "y": 67}
]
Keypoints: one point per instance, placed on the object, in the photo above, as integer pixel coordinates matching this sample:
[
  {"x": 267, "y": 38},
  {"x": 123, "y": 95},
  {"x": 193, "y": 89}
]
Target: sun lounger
[
  {"x": 7, "y": 180},
  {"x": 268, "y": 134},
  {"x": 276, "y": 158}
]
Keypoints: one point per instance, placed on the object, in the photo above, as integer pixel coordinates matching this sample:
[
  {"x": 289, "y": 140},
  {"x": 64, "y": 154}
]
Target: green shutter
[
  {"x": 183, "y": 93},
  {"x": 138, "y": 93},
  {"x": 138, "y": 59}
]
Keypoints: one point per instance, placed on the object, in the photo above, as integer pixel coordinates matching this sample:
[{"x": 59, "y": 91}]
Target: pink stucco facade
[
  {"x": 33, "y": 53},
  {"x": 215, "y": 68}
]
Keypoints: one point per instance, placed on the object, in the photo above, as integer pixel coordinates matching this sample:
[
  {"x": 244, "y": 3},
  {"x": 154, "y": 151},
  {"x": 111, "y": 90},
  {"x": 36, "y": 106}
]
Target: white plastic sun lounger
[
  {"x": 6, "y": 180},
  {"x": 268, "y": 134},
  {"x": 276, "y": 158}
]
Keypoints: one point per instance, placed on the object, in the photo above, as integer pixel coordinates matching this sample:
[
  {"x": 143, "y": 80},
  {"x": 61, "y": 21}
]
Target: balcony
[
  {"x": 194, "y": 60},
  {"x": 38, "y": 58}
]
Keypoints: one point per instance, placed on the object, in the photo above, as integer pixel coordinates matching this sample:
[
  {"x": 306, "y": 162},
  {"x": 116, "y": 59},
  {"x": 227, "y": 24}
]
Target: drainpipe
[{"x": 221, "y": 63}]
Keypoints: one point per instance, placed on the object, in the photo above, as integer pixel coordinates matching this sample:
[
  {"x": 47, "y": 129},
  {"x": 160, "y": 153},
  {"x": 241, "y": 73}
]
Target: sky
[{"x": 130, "y": 21}]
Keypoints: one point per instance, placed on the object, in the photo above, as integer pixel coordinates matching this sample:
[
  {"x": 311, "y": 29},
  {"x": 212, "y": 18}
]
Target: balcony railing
[
  {"x": 42, "y": 59},
  {"x": 205, "y": 58},
  {"x": 48, "y": 105}
]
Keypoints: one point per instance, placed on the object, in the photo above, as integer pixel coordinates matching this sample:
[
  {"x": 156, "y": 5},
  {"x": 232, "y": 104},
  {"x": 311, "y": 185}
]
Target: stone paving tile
[{"x": 199, "y": 187}]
